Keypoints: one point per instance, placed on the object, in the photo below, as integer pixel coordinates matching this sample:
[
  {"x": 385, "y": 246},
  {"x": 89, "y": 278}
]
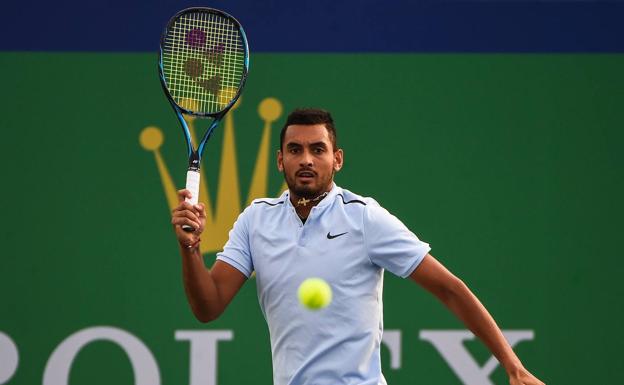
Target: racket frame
[{"x": 194, "y": 156}]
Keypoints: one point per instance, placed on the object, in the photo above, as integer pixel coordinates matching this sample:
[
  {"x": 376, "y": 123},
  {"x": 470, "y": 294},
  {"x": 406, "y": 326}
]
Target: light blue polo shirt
[{"x": 348, "y": 241}]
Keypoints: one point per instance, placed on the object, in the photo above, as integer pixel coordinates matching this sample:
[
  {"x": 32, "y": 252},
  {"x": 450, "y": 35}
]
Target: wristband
[{"x": 194, "y": 244}]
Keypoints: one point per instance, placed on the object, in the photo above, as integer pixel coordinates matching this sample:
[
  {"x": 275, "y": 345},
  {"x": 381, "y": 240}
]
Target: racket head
[{"x": 203, "y": 61}]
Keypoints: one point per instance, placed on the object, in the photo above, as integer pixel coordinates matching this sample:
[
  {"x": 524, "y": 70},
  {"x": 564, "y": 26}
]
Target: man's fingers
[
  {"x": 183, "y": 194},
  {"x": 193, "y": 214},
  {"x": 184, "y": 206},
  {"x": 201, "y": 210},
  {"x": 181, "y": 221},
  {"x": 198, "y": 209},
  {"x": 186, "y": 214}
]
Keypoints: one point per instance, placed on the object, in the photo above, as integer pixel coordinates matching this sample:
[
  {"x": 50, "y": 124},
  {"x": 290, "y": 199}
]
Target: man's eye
[
  {"x": 294, "y": 150},
  {"x": 319, "y": 150}
]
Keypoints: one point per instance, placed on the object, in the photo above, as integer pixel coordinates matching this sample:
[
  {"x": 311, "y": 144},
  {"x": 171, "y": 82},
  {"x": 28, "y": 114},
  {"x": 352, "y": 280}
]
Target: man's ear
[
  {"x": 280, "y": 161},
  {"x": 338, "y": 159}
]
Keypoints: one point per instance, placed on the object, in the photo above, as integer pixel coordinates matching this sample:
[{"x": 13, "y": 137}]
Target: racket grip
[{"x": 192, "y": 184}]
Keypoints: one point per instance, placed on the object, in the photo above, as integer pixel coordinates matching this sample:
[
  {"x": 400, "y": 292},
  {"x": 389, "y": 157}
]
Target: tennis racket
[{"x": 203, "y": 63}]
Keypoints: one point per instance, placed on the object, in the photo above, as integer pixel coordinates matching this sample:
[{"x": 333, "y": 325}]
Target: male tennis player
[{"x": 317, "y": 229}]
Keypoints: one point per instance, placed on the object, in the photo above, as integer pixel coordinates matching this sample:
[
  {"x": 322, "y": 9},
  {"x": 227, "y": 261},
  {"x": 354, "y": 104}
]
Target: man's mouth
[{"x": 305, "y": 174}]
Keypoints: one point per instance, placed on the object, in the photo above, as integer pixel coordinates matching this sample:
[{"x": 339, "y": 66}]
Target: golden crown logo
[{"x": 220, "y": 218}]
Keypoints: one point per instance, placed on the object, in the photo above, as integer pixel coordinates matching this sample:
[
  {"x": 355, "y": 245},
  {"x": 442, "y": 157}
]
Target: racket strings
[{"x": 203, "y": 61}]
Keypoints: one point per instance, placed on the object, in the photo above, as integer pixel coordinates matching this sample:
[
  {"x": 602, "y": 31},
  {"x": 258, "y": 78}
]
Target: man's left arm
[{"x": 454, "y": 293}]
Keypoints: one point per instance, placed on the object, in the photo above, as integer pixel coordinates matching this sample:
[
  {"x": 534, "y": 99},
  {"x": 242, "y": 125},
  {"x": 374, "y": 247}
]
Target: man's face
[{"x": 308, "y": 160}]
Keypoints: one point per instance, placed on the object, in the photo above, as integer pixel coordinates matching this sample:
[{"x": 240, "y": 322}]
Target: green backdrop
[{"x": 509, "y": 165}]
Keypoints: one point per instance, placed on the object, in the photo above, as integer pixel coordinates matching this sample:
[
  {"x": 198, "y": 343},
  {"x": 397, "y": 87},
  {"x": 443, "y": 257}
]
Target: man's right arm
[{"x": 208, "y": 291}]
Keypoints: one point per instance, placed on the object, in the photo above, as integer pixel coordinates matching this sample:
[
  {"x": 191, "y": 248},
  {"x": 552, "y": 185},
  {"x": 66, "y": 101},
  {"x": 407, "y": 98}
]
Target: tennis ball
[{"x": 314, "y": 293}]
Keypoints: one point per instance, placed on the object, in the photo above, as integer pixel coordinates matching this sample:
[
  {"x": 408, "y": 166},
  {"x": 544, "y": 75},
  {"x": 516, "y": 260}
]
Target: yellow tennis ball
[{"x": 314, "y": 293}]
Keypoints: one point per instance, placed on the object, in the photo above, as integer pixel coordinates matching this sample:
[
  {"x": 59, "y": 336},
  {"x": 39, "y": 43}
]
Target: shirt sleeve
[
  {"x": 390, "y": 244},
  {"x": 236, "y": 251}
]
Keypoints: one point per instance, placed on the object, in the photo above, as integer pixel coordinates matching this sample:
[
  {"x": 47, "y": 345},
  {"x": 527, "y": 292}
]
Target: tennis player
[{"x": 317, "y": 229}]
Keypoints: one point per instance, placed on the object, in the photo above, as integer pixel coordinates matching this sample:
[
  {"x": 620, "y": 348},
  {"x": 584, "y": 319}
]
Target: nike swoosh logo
[{"x": 329, "y": 236}]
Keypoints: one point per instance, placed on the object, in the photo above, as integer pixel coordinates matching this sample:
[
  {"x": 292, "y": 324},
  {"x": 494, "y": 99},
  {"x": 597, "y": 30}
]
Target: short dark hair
[{"x": 310, "y": 116}]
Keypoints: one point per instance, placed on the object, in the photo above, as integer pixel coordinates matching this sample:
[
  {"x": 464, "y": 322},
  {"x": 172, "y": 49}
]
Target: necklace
[{"x": 304, "y": 202}]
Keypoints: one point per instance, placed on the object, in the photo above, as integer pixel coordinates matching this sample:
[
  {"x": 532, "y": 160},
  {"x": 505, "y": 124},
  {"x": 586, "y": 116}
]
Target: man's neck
[{"x": 303, "y": 205}]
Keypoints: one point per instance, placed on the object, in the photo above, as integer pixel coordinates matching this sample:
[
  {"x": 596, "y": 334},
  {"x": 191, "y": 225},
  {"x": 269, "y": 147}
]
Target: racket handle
[{"x": 192, "y": 184}]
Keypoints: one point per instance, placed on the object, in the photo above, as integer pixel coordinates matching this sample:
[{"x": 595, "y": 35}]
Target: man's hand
[
  {"x": 523, "y": 377},
  {"x": 188, "y": 214}
]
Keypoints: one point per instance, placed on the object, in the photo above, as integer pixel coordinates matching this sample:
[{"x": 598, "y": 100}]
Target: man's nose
[{"x": 306, "y": 158}]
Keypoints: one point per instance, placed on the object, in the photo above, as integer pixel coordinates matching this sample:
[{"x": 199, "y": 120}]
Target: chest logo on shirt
[{"x": 329, "y": 236}]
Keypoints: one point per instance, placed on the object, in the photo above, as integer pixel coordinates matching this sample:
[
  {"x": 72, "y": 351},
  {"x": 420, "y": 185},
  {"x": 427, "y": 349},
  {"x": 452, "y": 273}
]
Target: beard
[{"x": 308, "y": 191}]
